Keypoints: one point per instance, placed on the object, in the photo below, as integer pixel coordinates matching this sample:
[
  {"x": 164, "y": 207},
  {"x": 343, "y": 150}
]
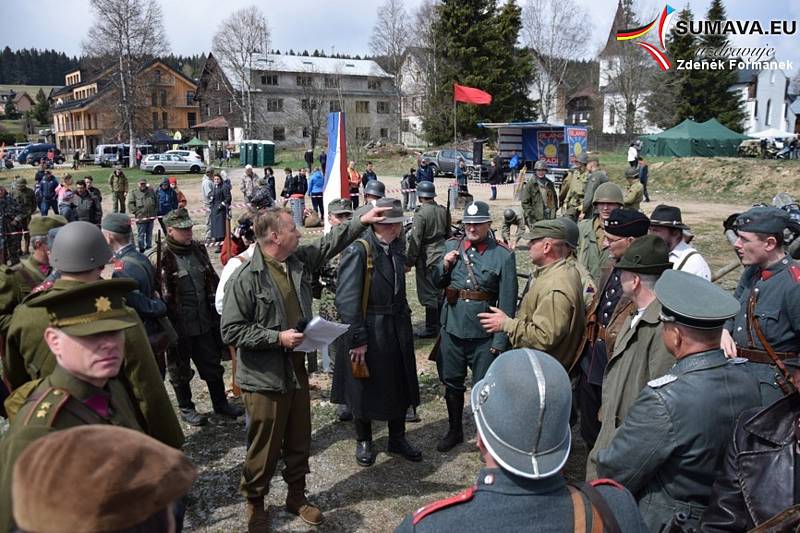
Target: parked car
[
  {"x": 34, "y": 153},
  {"x": 161, "y": 163},
  {"x": 189, "y": 154}
]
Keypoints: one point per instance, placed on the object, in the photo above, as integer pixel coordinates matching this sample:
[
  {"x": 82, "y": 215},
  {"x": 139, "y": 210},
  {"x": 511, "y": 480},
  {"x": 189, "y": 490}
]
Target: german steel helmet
[
  {"x": 375, "y": 188},
  {"x": 426, "y": 189},
  {"x": 79, "y": 247}
]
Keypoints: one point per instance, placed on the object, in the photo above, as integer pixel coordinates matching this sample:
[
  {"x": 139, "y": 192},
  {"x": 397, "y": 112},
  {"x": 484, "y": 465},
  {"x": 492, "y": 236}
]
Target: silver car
[{"x": 161, "y": 163}]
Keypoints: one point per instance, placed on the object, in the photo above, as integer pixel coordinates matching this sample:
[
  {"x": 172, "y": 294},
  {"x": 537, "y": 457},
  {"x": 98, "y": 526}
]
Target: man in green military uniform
[
  {"x": 596, "y": 178},
  {"x": 552, "y": 310},
  {"x": 18, "y": 281},
  {"x": 591, "y": 250},
  {"x": 188, "y": 286},
  {"x": 635, "y": 191},
  {"x": 668, "y": 450},
  {"x": 539, "y": 196},
  {"x": 143, "y": 205},
  {"x": 80, "y": 253},
  {"x": 84, "y": 331},
  {"x": 265, "y": 300},
  {"x": 512, "y": 218},
  {"x": 571, "y": 238},
  {"x": 26, "y": 199},
  {"x": 477, "y": 274},
  {"x": 639, "y": 354},
  {"x": 429, "y": 230},
  {"x": 765, "y": 330},
  {"x": 570, "y": 196},
  {"x": 118, "y": 183},
  {"x": 11, "y": 217}
]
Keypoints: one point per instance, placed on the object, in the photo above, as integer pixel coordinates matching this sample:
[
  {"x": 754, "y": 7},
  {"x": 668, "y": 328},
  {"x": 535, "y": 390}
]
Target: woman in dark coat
[
  {"x": 220, "y": 204},
  {"x": 382, "y": 338}
]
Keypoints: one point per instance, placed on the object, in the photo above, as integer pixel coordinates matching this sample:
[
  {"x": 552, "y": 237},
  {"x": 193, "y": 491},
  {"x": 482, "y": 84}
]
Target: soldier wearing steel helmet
[
  {"x": 570, "y": 197},
  {"x": 572, "y": 237},
  {"x": 634, "y": 194},
  {"x": 478, "y": 274},
  {"x": 80, "y": 253},
  {"x": 591, "y": 250},
  {"x": 539, "y": 196},
  {"x": 512, "y": 218},
  {"x": 373, "y": 191},
  {"x": 596, "y": 178}
]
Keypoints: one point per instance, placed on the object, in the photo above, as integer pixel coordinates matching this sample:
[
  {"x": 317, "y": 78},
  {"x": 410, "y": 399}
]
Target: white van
[{"x": 104, "y": 153}]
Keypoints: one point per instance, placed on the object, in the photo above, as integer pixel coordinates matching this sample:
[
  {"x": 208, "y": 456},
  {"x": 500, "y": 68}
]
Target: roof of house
[
  {"x": 32, "y": 90},
  {"x": 612, "y": 46}
]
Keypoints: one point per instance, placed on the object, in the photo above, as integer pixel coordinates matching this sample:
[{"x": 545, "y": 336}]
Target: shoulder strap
[
  {"x": 468, "y": 264},
  {"x": 606, "y": 516},
  {"x": 783, "y": 378},
  {"x": 367, "y": 277},
  {"x": 579, "y": 514},
  {"x": 686, "y": 258},
  {"x": 45, "y": 406},
  {"x": 461, "y": 497}
]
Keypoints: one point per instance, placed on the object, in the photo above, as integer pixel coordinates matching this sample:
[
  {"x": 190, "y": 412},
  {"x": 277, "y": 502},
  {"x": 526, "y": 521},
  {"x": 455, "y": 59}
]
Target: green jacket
[
  {"x": 56, "y": 404},
  {"x": 429, "y": 229},
  {"x": 28, "y": 358},
  {"x": 639, "y": 356},
  {"x": 118, "y": 183},
  {"x": 16, "y": 283},
  {"x": 532, "y": 202},
  {"x": 253, "y": 315},
  {"x": 595, "y": 179},
  {"x": 591, "y": 252},
  {"x": 633, "y": 195},
  {"x": 505, "y": 229},
  {"x": 143, "y": 204},
  {"x": 26, "y": 199}
]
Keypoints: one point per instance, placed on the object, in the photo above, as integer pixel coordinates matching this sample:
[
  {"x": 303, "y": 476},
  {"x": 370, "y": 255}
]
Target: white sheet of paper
[{"x": 319, "y": 333}]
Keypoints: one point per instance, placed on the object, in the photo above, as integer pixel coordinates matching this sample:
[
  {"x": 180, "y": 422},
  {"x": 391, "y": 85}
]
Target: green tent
[
  {"x": 194, "y": 143},
  {"x": 693, "y": 139}
]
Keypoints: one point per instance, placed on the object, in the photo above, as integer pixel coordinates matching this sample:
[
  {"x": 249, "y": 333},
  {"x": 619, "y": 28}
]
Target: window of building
[
  {"x": 405, "y": 125},
  {"x": 362, "y": 106},
  {"x": 164, "y": 119},
  {"x": 373, "y": 84},
  {"x": 331, "y": 83},
  {"x": 163, "y": 98},
  {"x": 384, "y": 133},
  {"x": 335, "y": 106},
  {"x": 274, "y": 104},
  {"x": 382, "y": 107},
  {"x": 208, "y": 110},
  {"x": 189, "y": 97},
  {"x": 157, "y": 74},
  {"x": 219, "y": 109},
  {"x": 154, "y": 98},
  {"x": 767, "y": 116},
  {"x": 192, "y": 119},
  {"x": 304, "y": 81},
  {"x": 269, "y": 79},
  {"x": 218, "y": 85},
  {"x": 155, "y": 120},
  {"x": 230, "y": 106},
  {"x": 362, "y": 134},
  {"x": 278, "y": 133},
  {"x": 611, "y": 115},
  {"x": 306, "y": 131}
]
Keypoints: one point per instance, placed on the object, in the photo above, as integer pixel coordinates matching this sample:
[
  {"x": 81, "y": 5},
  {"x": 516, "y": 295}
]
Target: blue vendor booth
[{"x": 555, "y": 144}]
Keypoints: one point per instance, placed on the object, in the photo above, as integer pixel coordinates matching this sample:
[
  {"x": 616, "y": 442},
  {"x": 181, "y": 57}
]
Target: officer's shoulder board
[
  {"x": 505, "y": 246},
  {"x": 431, "y": 508},
  {"x": 46, "y": 408},
  {"x": 42, "y": 287},
  {"x": 663, "y": 380},
  {"x": 794, "y": 270}
]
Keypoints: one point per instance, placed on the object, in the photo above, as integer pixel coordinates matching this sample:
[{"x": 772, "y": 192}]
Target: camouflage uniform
[
  {"x": 26, "y": 199},
  {"x": 10, "y": 221}
]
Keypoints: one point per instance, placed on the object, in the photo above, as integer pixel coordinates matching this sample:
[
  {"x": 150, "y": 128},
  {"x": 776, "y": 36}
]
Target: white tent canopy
[{"x": 772, "y": 133}]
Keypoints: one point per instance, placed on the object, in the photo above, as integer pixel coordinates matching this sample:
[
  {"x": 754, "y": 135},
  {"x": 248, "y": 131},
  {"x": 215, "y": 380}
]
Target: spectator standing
[
  {"x": 424, "y": 172},
  {"x": 167, "y": 201},
  {"x": 220, "y": 204},
  {"x": 633, "y": 155},
  {"x": 461, "y": 176},
  {"x": 368, "y": 175},
  {"x": 173, "y": 183},
  {"x": 138, "y": 158},
  {"x": 66, "y": 207},
  {"x": 309, "y": 158},
  {"x": 269, "y": 175},
  {"x": 323, "y": 161},
  {"x": 643, "y": 176},
  {"x": 86, "y": 206},
  {"x": 143, "y": 205},
  {"x": 96, "y": 194},
  {"x": 247, "y": 183},
  {"x": 667, "y": 222},
  {"x": 316, "y": 186},
  {"x": 76, "y": 160},
  {"x": 66, "y": 185},
  {"x": 48, "y": 193},
  {"x": 494, "y": 177},
  {"x": 119, "y": 189},
  {"x": 354, "y": 181},
  {"x": 206, "y": 187},
  {"x": 408, "y": 186}
]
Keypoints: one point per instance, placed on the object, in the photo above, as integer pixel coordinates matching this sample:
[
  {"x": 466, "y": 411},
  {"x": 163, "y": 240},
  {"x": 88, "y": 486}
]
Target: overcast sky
[{"x": 344, "y": 27}]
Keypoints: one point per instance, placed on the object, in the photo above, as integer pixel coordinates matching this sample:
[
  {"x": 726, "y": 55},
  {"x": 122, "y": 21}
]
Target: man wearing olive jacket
[{"x": 265, "y": 300}]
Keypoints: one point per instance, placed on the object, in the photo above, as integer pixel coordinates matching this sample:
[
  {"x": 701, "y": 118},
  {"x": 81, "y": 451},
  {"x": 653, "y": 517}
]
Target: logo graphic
[{"x": 659, "y": 55}]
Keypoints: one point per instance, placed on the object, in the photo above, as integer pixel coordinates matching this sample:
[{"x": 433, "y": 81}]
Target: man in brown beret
[
  {"x": 86, "y": 336},
  {"x": 107, "y": 469}
]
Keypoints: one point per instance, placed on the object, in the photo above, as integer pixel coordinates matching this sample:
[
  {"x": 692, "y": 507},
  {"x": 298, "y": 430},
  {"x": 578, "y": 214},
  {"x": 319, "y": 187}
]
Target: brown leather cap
[{"x": 96, "y": 478}]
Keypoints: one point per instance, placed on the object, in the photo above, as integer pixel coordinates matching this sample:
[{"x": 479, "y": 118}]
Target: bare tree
[
  {"x": 241, "y": 39},
  {"x": 125, "y": 36},
  {"x": 312, "y": 109},
  {"x": 390, "y": 38},
  {"x": 556, "y": 33}
]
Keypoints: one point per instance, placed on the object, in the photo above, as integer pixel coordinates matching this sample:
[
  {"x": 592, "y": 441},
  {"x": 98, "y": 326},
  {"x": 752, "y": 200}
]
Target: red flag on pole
[{"x": 470, "y": 95}]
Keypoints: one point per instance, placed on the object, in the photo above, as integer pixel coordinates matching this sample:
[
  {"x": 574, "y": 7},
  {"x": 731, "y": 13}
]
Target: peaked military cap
[
  {"x": 667, "y": 216},
  {"x": 39, "y": 226},
  {"x": 624, "y": 222},
  {"x": 770, "y": 220},
  {"x": 89, "y": 308},
  {"x": 117, "y": 223},
  {"x": 477, "y": 213},
  {"x": 631, "y": 173},
  {"x": 114, "y": 478},
  {"x": 571, "y": 232},
  {"x": 395, "y": 214},
  {"x": 648, "y": 254},
  {"x": 582, "y": 158},
  {"x": 693, "y": 301},
  {"x": 547, "y": 228},
  {"x": 178, "y": 218},
  {"x": 528, "y": 389},
  {"x": 340, "y": 206}
]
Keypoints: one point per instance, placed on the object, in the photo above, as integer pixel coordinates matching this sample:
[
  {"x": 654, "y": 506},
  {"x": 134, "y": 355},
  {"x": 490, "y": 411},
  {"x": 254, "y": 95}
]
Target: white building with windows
[{"x": 766, "y": 98}]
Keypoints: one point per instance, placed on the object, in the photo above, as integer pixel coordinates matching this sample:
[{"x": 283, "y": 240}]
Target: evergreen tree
[
  {"x": 42, "y": 110},
  {"x": 10, "y": 109},
  {"x": 477, "y": 48}
]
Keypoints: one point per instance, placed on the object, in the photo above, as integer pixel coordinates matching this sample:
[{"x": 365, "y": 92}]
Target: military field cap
[
  {"x": 571, "y": 232},
  {"x": 113, "y": 478},
  {"x": 693, "y": 301},
  {"x": 142, "y": 180},
  {"x": 178, "y": 218},
  {"x": 667, "y": 216},
  {"x": 89, "y": 308},
  {"x": 340, "y": 206},
  {"x": 769, "y": 220},
  {"x": 582, "y": 158},
  {"x": 39, "y": 226},
  {"x": 426, "y": 189},
  {"x": 648, "y": 254},
  {"x": 593, "y": 158},
  {"x": 522, "y": 408},
  {"x": 117, "y": 223},
  {"x": 547, "y": 228},
  {"x": 393, "y": 215},
  {"x": 79, "y": 247},
  {"x": 631, "y": 173},
  {"x": 375, "y": 188},
  {"x": 477, "y": 213},
  {"x": 624, "y": 222}
]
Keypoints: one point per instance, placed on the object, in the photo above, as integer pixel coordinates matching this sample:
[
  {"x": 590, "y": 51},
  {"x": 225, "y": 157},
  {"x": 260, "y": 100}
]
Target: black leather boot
[
  {"x": 398, "y": 443},
  {"x": 183, "y": 394},
  {"x": 455, "y": 433},
  {"x": 216, "y": 389},
  {"x": 431, "y": 328},
  {"x": 365, "y": 455}
]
